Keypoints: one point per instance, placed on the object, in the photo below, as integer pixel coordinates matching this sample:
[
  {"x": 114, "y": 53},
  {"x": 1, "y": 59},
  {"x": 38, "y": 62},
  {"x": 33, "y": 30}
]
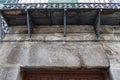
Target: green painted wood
[
  {"x": 8, "y": 1},
  {"x": 63, "y": 1},
  {"x": 2, "y": 1}
]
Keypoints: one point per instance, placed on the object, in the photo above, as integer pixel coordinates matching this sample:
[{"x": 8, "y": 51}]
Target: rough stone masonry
[{"x": 48, "y": 48}]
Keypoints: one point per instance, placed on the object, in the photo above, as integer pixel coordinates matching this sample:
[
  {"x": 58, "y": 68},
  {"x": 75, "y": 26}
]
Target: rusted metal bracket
[
  {"x": 65, "y": 27},
  {"x": 29, "y": 24},
  {"x": 51, "y": 17},
  {"x": 97, "y": 24}
]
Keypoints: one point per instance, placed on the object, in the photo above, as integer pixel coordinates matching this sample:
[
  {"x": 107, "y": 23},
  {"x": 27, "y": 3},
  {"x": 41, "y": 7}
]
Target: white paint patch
[{"x": 33, "y": 1}]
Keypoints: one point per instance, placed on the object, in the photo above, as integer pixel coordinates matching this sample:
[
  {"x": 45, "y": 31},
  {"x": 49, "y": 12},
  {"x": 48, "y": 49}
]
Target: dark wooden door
[{"x": 62, "y": 75}]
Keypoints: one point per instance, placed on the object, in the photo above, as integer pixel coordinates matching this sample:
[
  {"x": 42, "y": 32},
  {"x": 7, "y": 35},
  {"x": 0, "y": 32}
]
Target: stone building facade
[{"x": 49, "y": 49}]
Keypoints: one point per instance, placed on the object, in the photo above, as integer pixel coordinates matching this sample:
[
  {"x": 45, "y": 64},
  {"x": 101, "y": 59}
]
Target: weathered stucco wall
[{"x": 41, "y": 52}]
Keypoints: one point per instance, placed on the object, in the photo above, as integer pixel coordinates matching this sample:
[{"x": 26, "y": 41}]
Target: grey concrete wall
[{"x": 101, "y": 54}]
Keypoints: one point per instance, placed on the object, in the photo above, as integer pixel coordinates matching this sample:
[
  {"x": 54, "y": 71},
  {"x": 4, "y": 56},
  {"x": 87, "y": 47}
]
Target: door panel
[{"x": 61, "y": 75}]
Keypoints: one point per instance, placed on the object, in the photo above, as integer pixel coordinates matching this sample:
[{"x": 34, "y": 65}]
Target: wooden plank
[{"x": 68, "y": 75}]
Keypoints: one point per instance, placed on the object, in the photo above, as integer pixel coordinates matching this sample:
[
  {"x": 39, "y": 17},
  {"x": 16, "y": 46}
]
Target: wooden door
[{"x": 64, "y": 75}]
